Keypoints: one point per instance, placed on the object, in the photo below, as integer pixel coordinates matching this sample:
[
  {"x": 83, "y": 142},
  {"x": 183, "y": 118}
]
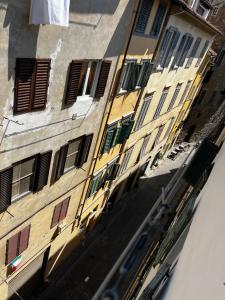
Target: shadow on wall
[
  {"x": 22, "y": 37},
  {"x": 94, "y": 6}
]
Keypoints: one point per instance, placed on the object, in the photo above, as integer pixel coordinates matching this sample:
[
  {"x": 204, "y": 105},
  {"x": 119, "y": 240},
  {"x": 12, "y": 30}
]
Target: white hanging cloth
[{"x": 50, "y": 12}]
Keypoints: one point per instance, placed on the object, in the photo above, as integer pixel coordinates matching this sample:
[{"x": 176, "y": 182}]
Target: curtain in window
[{"x": 50, "y": 12}]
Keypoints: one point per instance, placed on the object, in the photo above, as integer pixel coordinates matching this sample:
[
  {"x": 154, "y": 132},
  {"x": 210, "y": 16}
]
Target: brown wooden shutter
[
  {"x": 24, "y": 84},
  {"x": 61, "y": 161},
  {"x": 84, "y": 150},
  {"x": 102, "y": 80},
  {"x": 24, "y": 239},
  {"x": 5, "y": 188},
  {"x": 73, "y": 81},
  {"x": 41, "y": 83},
  {"x": 12, "y": 248},
  {"x": 42, "y": 170},
  {"x": 64, "y": 209},
  {"x": 56, "y": 215}
]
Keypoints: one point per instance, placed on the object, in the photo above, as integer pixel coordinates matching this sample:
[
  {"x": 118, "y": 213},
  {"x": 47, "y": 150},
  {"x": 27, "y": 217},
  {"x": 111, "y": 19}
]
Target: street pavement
[{"x": 81, "y": 275}]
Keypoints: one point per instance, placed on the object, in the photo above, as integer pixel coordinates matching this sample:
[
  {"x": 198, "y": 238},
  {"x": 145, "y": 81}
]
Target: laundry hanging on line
[{"x": 54, "y": 12}]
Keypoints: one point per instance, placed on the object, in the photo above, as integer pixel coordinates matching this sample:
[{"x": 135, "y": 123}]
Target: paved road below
[{"x": 103, "y": 246}]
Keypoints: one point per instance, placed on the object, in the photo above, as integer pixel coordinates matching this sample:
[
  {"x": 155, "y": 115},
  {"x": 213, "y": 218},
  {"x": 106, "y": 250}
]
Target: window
[
  {"x": 23, "y": 177},
  {"x": 158, "y": 135},
  {"x": 31, "y": 84},
  {"x": 74, "y": 154},
  {"x": 169, "y": 127},
  {"x": 185, "y": 92},
  {"x": 215, "y": 11},
  {"x": 144, "y": 13},
  {"x": 29, "y": 175},
  {"x": 95, "y": 184},
  {"x": 60, "y": 212},
  {"x": 17, "y": 244},
  {"x": 161, "y": 102},
  {"x": 158, "y": 20},
  {"x": 135, "y": 75},
  {"x": 125, "y": 161},
  {"x": 220, "y": 56},
  {"x": 87, "y": 78},
  {"x": 144, "y": 146},
  {"x": 175, "y": 95},
  {"x": 143, "y": 111},
  {"x": 167, "y": 47},
  {"x": 193, "y": 52},
  {"x": 111, "y": 170},
  {"x": 203, "y": 52},
  {"x": 182, "y": 51},
  {"x": 117, "y": 133}
]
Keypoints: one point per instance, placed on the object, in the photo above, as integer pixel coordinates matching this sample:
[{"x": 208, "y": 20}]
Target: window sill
[
  {"x": 84, "y": 98},
  {"x": 159, "y": 68},
  {"x": 20, "y": 196}
]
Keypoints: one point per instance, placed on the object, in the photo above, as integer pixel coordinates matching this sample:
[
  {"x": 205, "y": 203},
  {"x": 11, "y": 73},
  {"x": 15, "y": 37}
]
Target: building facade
[{"x": 55, "y": 83}]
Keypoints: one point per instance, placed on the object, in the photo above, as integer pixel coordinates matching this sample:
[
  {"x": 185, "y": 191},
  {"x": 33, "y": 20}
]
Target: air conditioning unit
[{"x": 61, "y": 227}]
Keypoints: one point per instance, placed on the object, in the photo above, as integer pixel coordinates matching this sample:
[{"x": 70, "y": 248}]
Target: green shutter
[
  {"x": 95, "y": 184},
  {"x": 110, "y": 134},
  {"x": 116, "y": 136},
  {"x": 146, "y": 74},
  {"x": 125, "y": 131}
]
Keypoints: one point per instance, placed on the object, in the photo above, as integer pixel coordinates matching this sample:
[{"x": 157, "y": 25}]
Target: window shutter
[
  {"x": 158, "y": 20},
  {"x": 41, "y": 83},
  {"x": 12, "y": 248},
  {"x": 185, "y": 51},
  {"x": 84, "y": 151},
  {"x": 73, "y": 81},
  {"x": 126, "y": 131},
  {"x": 114, "y": 172},
  {"x": 24, "y": 239},
  {"x": 42, "y": 170},
  {"x": 23, "y": 84},
  {"x": 61, "y": 161},
  {"x": 5, "y": 188},
  {"x": 163, "y": 46},
  {"x": 175, "y": 39},
  {"x": 193, "y": 52},
  {"x": 56, "y": 215},
  {"x": 144, "y": 13},
  {"x": 116, "y": 136},
  {"x": 146, "y": 75},
  {"x": 64, "y": 209},
  {"x": 102, "y": 80},
  {"x": 110, "y": 133},
  {"x": 134, "y": 77},
  {"x": 130, "y": 70}
]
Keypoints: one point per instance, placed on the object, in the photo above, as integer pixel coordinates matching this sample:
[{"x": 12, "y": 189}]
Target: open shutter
[
  {"x": 116, "y": 136},
  {"x": 134, "y": 77},
  {"x": 114, "y": 172},
  {"x": 84, "y": 151},
  {"x": 5, "y": 188},
  {"x": 73, "y": 81},
  {"x": 42, "y": 170},
  {"x": 146, "y": 74},
  {"x": 56, "y": 215},
  {"x": 12, "y": 248},
  {"x": 126, "y": 131},
  {"x": 24, "y": 239},
  {"x": 61, "y": 161},
  {"x": 41, "y": 83},
  {"x": 23, "y": 84},
  {"x": 110, "y": 133},
  {"x": 102, "y": 80},
  {"x": 64, "y": 209}
]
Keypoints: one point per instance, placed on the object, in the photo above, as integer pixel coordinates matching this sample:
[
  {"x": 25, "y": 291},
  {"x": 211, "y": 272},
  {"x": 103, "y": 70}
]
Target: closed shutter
[
  {"x": 175, "y": 39},
  {"x": 41, "y": 83},
  {"x": 85, "y": 148},
  {"x": 110, "y": 133},
  {"x": 130, "y": 70},
  {"x": 73, "y": 81},
  {"x": 102, "y": 80},
  {"x": 164, "y": 45},
  {"x": 185, "y": 51},
  {"x": 114, "y": 172},
  {"x": 158, "y": 20},
  {"x": 61, "y": 161},
  {"x": 116, "y": 136},
  {"x": 193, "y": 52},
  {"x": 147, "y": 71},
  {"x": 143, "y": 16},
  {"x": 24, "y": 239},
  {"x": 134, "y": 75},
  {"x": 56, "y": 215},
  {"x": 12, "y": 248},
  {"x": 23, "y": 84},
  {"x": 42, "y": 170},
  {"x": 64, "y": 209},
  {"x": 5, "y": 188}
]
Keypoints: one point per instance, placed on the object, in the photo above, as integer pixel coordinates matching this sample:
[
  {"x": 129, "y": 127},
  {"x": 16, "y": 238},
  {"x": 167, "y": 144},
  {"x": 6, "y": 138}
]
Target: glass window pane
[
  {"x": 91, "y": 77},
  {"x": 82, "y": 78},
  {"x": 21, "y": 187},
  {"x": 23, "y": 169},
  {"x": 73, "y": 147},
  {"x": 70, "y": 162}
]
